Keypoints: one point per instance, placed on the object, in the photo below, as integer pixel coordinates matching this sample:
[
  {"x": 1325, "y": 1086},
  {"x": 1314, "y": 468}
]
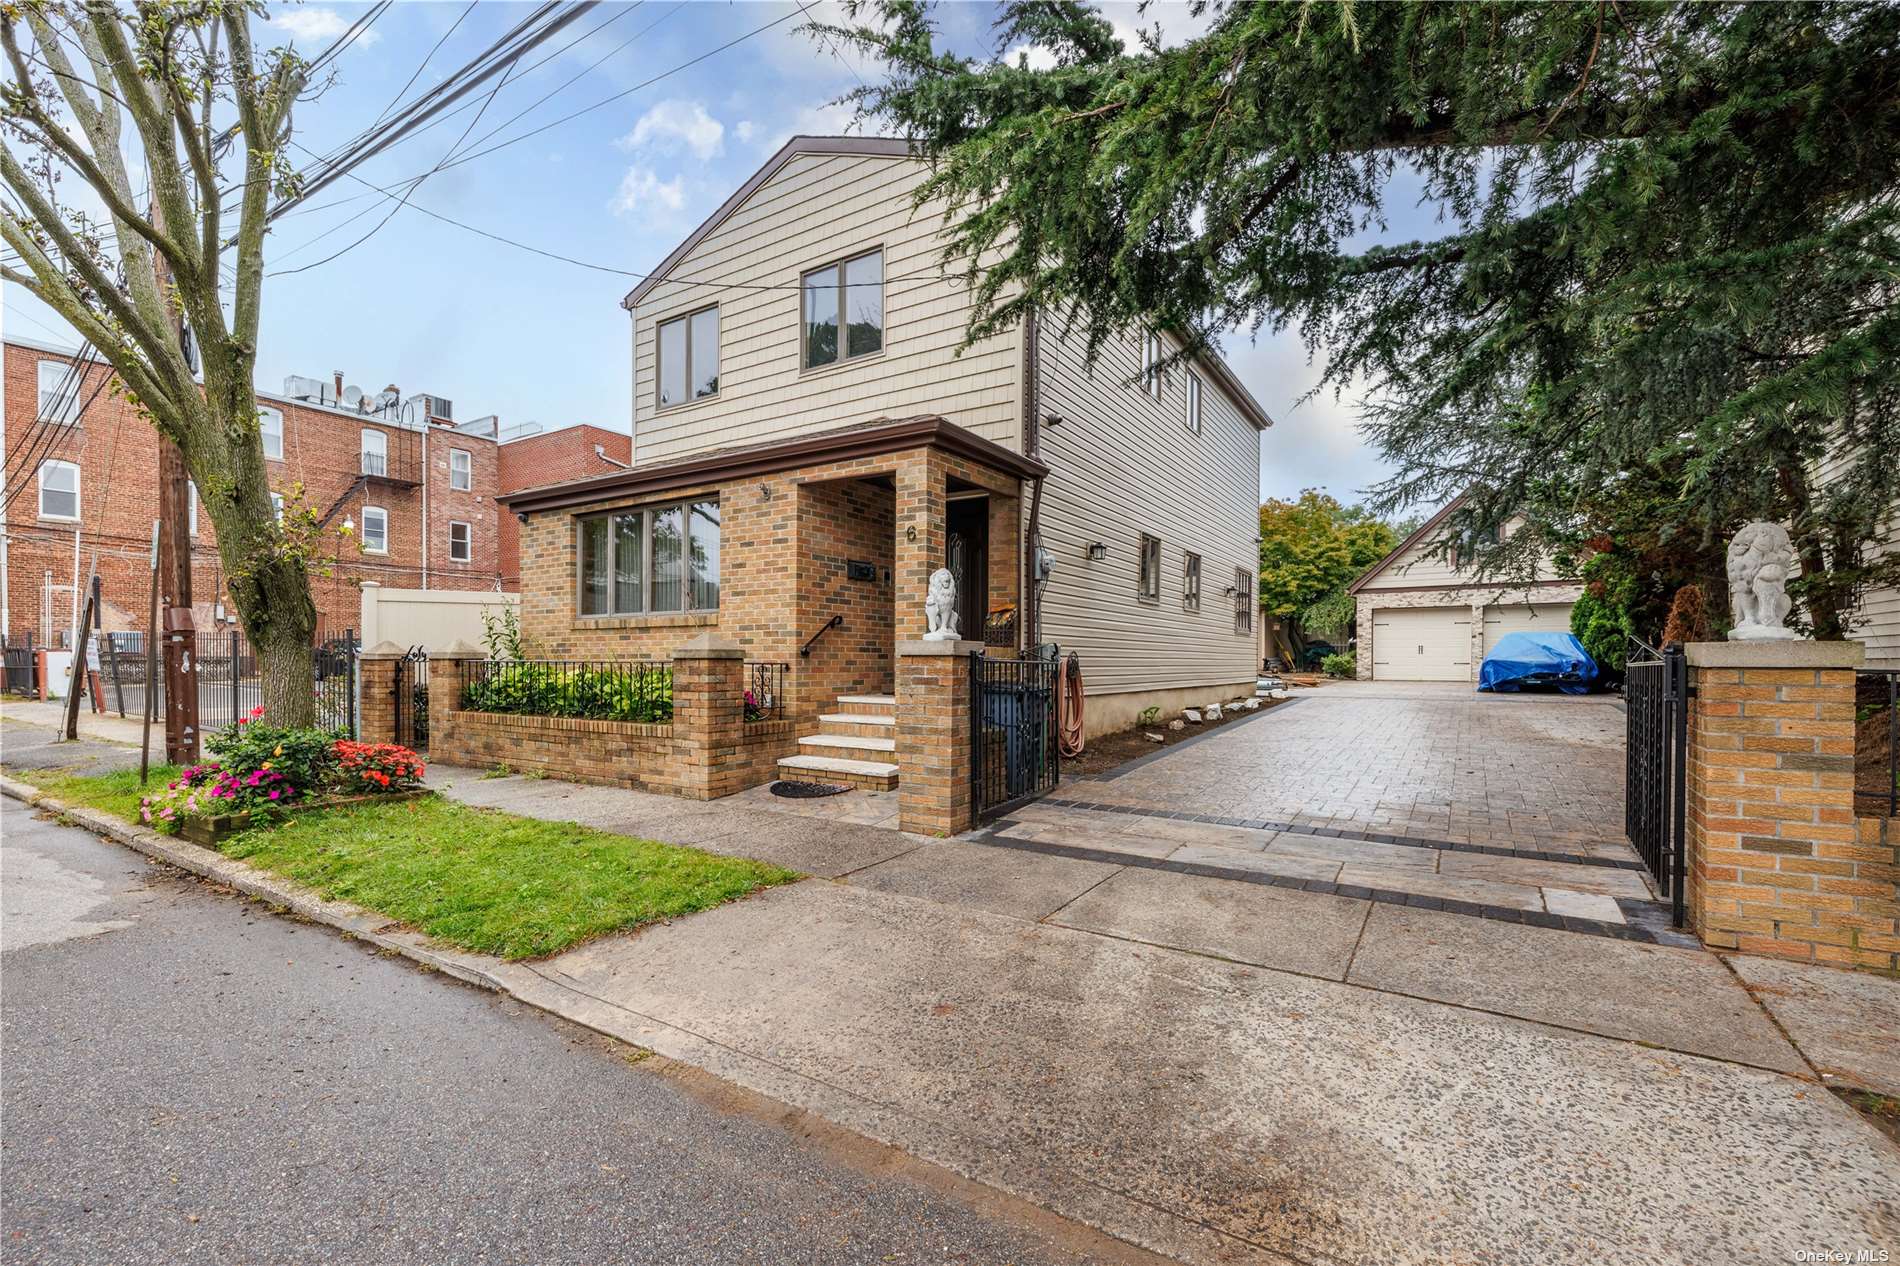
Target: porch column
[
  {"x": 933, "y": 736},
  {"x": 1777, "y": 862},
  {"x": 708, "y": 716},
  {"x": 376, "y": 714},
  {"x": 921, "y": 539}
]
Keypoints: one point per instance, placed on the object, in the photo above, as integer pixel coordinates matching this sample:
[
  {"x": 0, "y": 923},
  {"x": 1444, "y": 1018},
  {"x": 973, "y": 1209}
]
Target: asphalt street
[{"x": 190, "y": 1077}]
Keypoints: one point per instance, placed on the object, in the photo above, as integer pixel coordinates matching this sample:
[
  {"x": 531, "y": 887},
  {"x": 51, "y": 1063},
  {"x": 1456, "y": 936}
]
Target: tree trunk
[{"x": 281, "y": 621}]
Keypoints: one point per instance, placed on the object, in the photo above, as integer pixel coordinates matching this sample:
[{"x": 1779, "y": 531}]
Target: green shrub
[
  {"x": 1339, "y": 665},
  {"x": 304, "y": 757},
  {"x": 633, "y": 693}
]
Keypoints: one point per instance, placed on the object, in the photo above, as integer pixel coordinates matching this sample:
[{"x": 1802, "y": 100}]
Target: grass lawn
[
  {"x": 477, "y": 879},
  {"x": 115, "y": 793}
]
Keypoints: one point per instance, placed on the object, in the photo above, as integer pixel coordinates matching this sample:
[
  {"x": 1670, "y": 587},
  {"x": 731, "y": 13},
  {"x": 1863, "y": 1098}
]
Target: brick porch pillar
[
  {"x": 1776, "y": 861},
  {"x": 449, "y": 672},
  {"x": 708, "y": 716},
  {"x": 933, "y": 736},
  {"x": 376, "y": 691},
  {"x": 922, "y": 499}
]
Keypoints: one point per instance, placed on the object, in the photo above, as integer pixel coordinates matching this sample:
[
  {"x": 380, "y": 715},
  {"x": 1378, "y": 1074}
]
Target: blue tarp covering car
[{"x": 1525, "y": 660}]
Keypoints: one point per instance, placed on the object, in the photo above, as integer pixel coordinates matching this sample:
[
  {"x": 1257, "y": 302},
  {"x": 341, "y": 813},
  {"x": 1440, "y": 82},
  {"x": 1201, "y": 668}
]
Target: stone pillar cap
[
  {"x": 1793, "y": 653},
  {"x": 459, "y": 649},
  {"x": 385, "y": 649},
  {"x": 918, "y": 646},
  {"x": 709, "y": 646}
]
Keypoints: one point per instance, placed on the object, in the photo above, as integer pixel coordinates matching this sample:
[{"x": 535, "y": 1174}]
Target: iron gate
[
  {"x": 1013, "y": 749},
  {"x": 411, "y": 702},
  {"x": 1656, "y": 699}
]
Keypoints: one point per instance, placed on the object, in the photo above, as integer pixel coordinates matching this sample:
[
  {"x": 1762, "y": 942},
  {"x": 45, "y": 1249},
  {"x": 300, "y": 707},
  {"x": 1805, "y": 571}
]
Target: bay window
[{"x": 653, "y": 560}]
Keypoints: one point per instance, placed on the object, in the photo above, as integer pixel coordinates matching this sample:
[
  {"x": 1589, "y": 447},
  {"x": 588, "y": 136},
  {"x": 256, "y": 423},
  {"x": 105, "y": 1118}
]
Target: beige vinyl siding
[
  {"x": 1123, "y": 463},
  {"x": 815, "y": 210},
  {"x": 1877, "y": 622},
  {"x": 1419, "y": 568}
]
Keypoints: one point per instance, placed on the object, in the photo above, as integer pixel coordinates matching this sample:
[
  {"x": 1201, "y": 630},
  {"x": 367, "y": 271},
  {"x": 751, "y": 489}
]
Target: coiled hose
[{"x": 1069, "y": 706}]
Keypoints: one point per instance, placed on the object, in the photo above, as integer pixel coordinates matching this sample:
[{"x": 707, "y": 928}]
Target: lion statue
[
  {"x": 940, "y": 607},
  {"x": 1760, "y": 564}
]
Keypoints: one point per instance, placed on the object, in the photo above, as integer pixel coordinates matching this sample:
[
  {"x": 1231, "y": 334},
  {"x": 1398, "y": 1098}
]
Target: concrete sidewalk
[{"x": 1227, "y": 1071}]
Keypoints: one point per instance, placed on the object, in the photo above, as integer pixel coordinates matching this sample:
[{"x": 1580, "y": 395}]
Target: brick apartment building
[
  {"x": 416, "y": 494},
  {"x": 552, "y": 457}
]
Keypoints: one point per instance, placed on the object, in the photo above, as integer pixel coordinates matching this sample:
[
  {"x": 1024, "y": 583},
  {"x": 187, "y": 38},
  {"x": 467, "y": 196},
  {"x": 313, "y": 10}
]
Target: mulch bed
[{"x": 1110, "y": 751}]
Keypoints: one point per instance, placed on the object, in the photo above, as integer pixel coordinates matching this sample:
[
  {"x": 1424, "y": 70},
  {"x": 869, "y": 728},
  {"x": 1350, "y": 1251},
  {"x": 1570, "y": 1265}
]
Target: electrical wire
[{"x": 424, "y": 64}]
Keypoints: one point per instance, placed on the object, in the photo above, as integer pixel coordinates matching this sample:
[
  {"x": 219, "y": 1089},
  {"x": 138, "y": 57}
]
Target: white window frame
[
  {"x": 268, "y": 433},
  {"x": 1148, "y": 569},
  {"x": 1151, "y": 363},
  {"x": 462, "y": 465},
  {"x": 659, "y": 367},
  {"x": 1194, "y": 403},
  {"x": 1191, "y": 582},
  {"x": 54, "y": 463},
  {"x": 379, "y": 450},
  {"x": 277, "y": 506},
  {"x": 845, "y": 356},
  {"x": 468, "y": 541},
  {"x": 383, "y": 515},
  {"x": 55, "y": 405}
]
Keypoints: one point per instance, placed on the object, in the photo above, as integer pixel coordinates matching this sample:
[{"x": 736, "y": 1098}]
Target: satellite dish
[{"x": 352, "y": 397}]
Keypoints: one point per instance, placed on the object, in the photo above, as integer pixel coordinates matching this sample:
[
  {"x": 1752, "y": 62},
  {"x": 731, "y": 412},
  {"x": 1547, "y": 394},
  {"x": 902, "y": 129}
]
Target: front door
[{"x": 966, "y": 554}]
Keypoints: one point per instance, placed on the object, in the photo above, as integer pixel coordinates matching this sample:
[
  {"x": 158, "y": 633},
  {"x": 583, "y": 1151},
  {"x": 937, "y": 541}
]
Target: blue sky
[{"x": 430, "y": 307}]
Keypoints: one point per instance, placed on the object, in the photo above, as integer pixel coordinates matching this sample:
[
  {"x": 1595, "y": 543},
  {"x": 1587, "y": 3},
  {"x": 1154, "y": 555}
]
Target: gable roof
[
  {"x": 883, "y": 147},
  {"x": 1424, "y": 531}
]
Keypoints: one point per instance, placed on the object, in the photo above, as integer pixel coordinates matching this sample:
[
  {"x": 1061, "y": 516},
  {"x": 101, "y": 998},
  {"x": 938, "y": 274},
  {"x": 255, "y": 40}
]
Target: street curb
[{"x": 352, "y": 920}]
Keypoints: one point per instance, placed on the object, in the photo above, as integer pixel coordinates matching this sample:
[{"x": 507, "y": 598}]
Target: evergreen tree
[{"x": 1668, "y": 236}]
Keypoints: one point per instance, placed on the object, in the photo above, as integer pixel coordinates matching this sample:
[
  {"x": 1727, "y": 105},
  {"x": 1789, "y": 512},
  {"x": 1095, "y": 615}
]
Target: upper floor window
[
  {"x": 653, "y": 560},
  {"x": 1244, "y": 600},
  {"x": 843, "y": 310},
  {"x": 1149, "y": 581},
  {"x": 1151, "y": 363},
  {"x": 1194, "y": 404},
  {"x": 375, "y": 530},
  {"x": 59, "y": 490},
  {"x": 461, "y": 469},
  {"x": 375, "y": 452},
  {"x": 461, "y": 548},
  {"x": 1191, "y": 583},
  {"x": 270, "y": 425},
  {"x": 59, "y": 385},
  {"x": 688, "y": 353}
]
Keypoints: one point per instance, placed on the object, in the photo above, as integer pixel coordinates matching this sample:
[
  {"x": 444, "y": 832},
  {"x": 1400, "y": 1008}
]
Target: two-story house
[
  {"x": 810, "y": 445},
  {"x": 402, "y": 496}
]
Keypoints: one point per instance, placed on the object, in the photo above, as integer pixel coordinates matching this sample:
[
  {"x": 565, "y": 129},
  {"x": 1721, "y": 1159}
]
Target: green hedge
[{"x": 633, "y": 692}]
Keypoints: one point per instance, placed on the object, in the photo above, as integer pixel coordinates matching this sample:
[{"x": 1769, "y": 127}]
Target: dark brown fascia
[
  {"x": 1487, "y": 585},
  {"x": 873, "y": 146},
  {"x": 928, "y": 431}
]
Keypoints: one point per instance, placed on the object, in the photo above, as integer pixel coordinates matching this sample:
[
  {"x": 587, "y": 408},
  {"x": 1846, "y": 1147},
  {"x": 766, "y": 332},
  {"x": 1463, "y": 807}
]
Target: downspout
[{"x": 1031, "y": 444}]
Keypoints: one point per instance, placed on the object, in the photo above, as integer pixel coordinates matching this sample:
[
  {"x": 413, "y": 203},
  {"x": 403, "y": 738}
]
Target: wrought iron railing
[
  {"x": 1877, "y": 742},
  {"x": 835, "y": 622},
  {"x": 1656, "y": 701},
  {"x": 765, "y": 691},
  {"x": 1000, "y": 628},
  {"x": 602, "y": 690}
]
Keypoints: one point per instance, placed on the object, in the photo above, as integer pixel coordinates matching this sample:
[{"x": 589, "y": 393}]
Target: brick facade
[
  {"x": 547, "y": 459},
  {"x": 933, "y": 737},
  {"x": 116, "y": 450},
  {"x": 1778, "y": 863}
]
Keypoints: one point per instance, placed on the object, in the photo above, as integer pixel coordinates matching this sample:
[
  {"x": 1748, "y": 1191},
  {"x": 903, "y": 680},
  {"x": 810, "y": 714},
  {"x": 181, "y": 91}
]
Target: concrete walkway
[{"x": 1226, "y": 1070}]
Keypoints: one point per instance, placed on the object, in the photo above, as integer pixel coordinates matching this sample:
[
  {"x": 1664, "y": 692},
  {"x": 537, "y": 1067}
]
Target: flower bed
[{"x": 260, "y": 770}]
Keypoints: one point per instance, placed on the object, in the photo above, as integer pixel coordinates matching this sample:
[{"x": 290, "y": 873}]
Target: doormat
[{"x": 806, "y": 790}]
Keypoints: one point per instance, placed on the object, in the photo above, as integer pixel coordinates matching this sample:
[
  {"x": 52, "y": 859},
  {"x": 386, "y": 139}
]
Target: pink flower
[{"x": 274, "y": 795}]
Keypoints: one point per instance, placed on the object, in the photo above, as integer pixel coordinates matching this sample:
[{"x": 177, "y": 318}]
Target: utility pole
[{"x": 180, "y": 644}]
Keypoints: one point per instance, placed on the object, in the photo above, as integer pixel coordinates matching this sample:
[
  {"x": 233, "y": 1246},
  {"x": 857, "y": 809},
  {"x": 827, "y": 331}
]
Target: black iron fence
[
  {"x": 765, "y": 691},
  {"x": 22, "y": 665},
  {"x": 604, "y": 690},
  {"x": 1013, "y": 749},
  {"x": 410, "y": 703},
  {"x": 1877, "y": 742},
  {"x": 1656, "y": 696},
  {"x": 229, "y": 683}
]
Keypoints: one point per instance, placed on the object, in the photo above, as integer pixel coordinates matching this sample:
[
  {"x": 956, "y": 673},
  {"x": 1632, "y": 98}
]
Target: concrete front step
[
  {"x": 866, "y": 724},
  {"x": 851, "y": 747},
  {"x": 869, "y": 775},
  {"x": 877, "y": 705}
]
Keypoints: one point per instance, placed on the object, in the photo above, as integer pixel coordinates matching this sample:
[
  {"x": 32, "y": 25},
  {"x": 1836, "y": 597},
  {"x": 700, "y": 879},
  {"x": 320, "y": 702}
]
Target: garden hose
[{"x": 1069, "y": 706}]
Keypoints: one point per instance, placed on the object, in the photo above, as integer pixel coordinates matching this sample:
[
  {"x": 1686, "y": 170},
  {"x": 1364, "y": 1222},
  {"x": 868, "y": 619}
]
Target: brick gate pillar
[
  {"x": 1775, "y": 861},
  {"x": 933, "y": 736},
  {"x": 449, "y": 672},
  {"x": 708, "y": 716},
  {"x": 376, "y": 692}
]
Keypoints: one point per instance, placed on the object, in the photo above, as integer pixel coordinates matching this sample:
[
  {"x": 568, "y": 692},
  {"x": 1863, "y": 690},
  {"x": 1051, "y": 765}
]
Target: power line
[{"x": 424, "y": 64}]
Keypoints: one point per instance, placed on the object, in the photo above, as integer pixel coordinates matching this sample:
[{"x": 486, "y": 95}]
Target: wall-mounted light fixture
[
  {"x": 1097, "y": 551},
  {"x": 765, "y": 492}
]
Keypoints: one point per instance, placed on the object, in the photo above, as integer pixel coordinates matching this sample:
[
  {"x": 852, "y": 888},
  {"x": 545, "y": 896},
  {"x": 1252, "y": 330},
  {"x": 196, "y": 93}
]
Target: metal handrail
[{"x": 835, "y": 622}]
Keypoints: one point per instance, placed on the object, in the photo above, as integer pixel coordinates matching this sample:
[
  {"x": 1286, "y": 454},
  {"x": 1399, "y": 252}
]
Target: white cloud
[
  {"x": 1040, "y": 58},
  {"x": 310, "y": 24},
  {"x": 642, "y": 190},
  {"x": 675, "y": 125},
  {"x": 831, "y": 119},
  {"x": 744, "y": 130}
]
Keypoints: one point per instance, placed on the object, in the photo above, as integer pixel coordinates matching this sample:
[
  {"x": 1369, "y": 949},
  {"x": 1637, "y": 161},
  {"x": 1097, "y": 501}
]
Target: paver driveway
[{"x": 1428, "y": 760}]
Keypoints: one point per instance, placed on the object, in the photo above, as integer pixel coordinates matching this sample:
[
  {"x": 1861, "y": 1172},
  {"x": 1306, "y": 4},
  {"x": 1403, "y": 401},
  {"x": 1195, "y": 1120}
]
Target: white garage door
[
  {"x": 1421, "y": 643},
  {"x": 1516, "y": 617}
]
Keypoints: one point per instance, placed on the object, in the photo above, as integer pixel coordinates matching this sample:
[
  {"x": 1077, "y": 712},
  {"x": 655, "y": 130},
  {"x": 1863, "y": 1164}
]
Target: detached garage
[
  {"x": 1421, "y": 643},
  {"x": 1421, "y": 617}
]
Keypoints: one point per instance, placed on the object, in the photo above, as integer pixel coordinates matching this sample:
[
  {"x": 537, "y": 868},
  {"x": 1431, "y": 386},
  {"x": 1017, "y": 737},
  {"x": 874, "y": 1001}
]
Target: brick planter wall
[{"x": 1778, "y": 863}]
